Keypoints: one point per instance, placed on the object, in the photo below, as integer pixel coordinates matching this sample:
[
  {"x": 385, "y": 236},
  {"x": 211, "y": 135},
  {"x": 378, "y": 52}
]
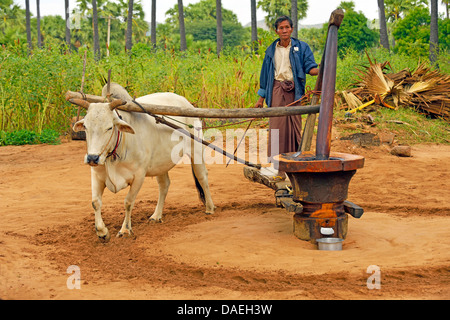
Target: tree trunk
[
  {"x": 66, "y": 7},
  {"x": 129, "y": 32},
  {"x": 183, "y": 45},
  {"x": 446, "y": 3},
  {"x": 434, "y": 37},
  {"x": 28, "y": 26},
  {"x": 108, "y": 36},
  {"x": 153, "y": 23},
  {"x": 219, "y": 36},
  {"x": 254, "y": 24},
  {"x": 294, "y": 17},
  {"x": 383, "y": 29},
  {"x": 95, "y": 26},
  {"x": 38, "y": 24}
]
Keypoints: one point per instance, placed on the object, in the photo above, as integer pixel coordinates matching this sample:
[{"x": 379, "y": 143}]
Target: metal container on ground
[{"x": 330, "y": 244}]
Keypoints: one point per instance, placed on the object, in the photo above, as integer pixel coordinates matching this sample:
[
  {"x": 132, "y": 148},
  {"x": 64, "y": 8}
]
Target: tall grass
[{"x": 32, "y": 87}]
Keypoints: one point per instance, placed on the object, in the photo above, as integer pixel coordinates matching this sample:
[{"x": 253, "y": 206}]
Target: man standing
[{"x": 283, "y": 76}]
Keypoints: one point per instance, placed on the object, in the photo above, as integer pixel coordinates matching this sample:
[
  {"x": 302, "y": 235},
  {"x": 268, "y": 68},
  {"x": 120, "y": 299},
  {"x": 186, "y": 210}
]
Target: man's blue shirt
[{"x": 302, "y": 61}]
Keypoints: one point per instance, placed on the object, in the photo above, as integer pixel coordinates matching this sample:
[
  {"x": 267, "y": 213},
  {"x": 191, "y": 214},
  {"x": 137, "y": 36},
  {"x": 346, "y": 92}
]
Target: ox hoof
[
  {"x": 104, "y": 238},
  {"x": 153, "y": 220},
  {"x": 126, "y": 234}
]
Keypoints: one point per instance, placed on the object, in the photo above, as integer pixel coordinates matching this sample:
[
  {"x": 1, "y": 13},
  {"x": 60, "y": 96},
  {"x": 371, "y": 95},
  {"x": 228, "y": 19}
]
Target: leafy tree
[
  {"x": 200, "y": 20},
  {"x": 52, "y": 28},
  {"x": 314, "y": 37},
  {"x": 12, "y": 23},
  {"x": 202, "y": 10},
  {"x": 118, "y": 11},
  {"x": 397, "y": 9},
  {"x": 412, "y": 33},
  {"x": 205, "y": 30},
  {"x": 354, "y": 32},
  {"x": 347, "y": 6},
  {"x": 277, "y": 8},
  {"x": 446, "y": 3}
]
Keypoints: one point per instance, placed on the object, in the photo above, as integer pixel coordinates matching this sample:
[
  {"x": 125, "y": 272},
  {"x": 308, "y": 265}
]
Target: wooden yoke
[
  {"x": 200, "y": 112},
  {"x": 335, "y": 20}
]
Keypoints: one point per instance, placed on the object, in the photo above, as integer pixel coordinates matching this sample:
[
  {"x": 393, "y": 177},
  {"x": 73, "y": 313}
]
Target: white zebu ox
[{"x": 125, "y": 147}]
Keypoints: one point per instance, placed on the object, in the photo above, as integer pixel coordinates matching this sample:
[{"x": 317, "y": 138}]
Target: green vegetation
[
  {"x": 24, "y": 136},
  {"x": 32, "y": 86},
  {"x": 409, "y": 126}
]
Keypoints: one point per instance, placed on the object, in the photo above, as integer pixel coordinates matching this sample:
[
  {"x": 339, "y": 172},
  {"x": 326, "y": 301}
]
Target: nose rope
[
  {"x": 107, "y": 144},
  {"x": 113, "y": 153}
]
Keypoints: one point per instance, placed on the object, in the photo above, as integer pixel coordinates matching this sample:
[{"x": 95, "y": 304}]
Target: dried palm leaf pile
[{"x": 424, "y": 89}]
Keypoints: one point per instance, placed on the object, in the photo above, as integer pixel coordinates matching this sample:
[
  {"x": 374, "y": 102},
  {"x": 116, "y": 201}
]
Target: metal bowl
[{"x": 331, "y": 244}]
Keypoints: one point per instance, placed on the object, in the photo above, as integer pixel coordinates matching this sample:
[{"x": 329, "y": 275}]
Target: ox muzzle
[{"x": 92, "y": 160}]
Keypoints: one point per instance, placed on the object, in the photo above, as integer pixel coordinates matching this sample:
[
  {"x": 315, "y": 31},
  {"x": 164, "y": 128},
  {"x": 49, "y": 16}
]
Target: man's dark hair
[{"x": 281, "y": 19}]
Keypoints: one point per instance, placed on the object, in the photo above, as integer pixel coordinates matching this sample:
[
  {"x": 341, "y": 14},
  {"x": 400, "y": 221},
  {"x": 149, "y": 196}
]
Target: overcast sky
[{"x": 319, "y": 10}]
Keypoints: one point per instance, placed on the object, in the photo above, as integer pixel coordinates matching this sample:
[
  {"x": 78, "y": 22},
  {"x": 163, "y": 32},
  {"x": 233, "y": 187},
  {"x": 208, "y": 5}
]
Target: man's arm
[{"x": 259, "y": 103}]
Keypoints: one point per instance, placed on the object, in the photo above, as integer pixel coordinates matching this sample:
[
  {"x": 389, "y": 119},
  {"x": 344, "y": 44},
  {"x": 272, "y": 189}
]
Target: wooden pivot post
[
  {"x": 323, "y": 143},
  {"x": 335, "y": 21}
]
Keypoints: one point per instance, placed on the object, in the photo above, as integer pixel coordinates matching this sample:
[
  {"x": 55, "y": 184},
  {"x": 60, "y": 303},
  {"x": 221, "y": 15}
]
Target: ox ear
[
  {"x": 79, "y": 126},
  {"x": 124, "y": 127}
]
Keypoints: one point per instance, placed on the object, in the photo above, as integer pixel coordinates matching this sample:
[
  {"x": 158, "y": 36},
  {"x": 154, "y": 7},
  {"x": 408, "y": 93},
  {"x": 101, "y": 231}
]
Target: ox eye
[{"x": 109, "y": 129}]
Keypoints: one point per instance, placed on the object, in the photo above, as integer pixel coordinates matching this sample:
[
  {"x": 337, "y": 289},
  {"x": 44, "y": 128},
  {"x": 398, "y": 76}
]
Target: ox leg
[
  {"x": 98, "y": 186},
  {"x": 201, "y": 174},
  {"x": 126, "y": 229},
  {"x": 163, "y": 184}
]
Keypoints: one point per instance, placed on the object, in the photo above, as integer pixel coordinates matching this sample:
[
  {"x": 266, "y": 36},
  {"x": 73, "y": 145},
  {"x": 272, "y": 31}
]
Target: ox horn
[
  {"x": 81, "y": 103},
  {"x": 116, "y": 103}
]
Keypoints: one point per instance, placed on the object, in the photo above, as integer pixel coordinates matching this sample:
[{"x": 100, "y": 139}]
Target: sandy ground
[{"x": 246, "y": 250}]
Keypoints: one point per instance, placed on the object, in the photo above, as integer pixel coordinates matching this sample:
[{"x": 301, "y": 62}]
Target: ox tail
[{"x": 201, "y": 192}]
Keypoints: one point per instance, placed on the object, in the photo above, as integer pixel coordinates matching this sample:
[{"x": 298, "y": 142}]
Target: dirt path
[{"x": 246, "y": 250}]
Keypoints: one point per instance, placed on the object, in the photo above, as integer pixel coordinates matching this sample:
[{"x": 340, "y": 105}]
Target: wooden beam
[{"x": 203, "y": 113}]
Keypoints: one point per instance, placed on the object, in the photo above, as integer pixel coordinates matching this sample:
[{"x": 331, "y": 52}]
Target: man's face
[{"x": 284, "y": 30}]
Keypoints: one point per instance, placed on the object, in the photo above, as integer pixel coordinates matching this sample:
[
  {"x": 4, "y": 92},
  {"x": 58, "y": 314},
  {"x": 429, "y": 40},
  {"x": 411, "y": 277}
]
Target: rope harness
[{"x": 113, "y": 153}]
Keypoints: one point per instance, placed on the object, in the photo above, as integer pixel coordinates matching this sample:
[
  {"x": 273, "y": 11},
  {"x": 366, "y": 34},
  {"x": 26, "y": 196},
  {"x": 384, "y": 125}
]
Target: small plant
[
  {"x": 19, "y": 137},
  {"x": 23, "y": 136},
  {"x": 49, "y": 136}
]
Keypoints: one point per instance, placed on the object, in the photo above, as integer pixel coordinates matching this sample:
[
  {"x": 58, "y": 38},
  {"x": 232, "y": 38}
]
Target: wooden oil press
[{"x": 320, "y": 180}]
